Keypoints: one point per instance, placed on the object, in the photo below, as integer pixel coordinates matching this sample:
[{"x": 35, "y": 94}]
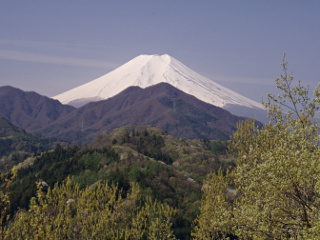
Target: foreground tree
[
  {"x": 5, "y": 182},
  {"x": 277, "y": 178},
  {"x": 66, "y": 212}
]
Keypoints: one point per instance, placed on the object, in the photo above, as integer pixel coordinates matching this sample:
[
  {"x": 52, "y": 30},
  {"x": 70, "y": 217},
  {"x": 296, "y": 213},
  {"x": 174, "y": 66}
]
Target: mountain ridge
[
  {"x": 29, "y": 110},
  {"x": 162, "y": 106},
  {"x": 16, "y": 144}
]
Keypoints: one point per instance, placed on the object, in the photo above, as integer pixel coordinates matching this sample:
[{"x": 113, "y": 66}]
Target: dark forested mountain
[
  {"x": 161, "y": 106},
  {"x": 7, "y": 129},
  {"x": 16, "y": 144},
  {"x": 30, "y": 110}
]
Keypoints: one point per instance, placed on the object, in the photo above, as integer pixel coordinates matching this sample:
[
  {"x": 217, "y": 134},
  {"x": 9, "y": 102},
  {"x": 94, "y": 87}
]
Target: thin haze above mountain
[{"x": 148, "y": 70}]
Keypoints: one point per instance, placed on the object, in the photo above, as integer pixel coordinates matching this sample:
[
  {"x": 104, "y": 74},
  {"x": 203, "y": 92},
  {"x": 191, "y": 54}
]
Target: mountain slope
[
  {"x": 168, "y": 169},
  {"x": 30, "y": 110},
  {"x": 161, "y": 106},
  {"x": 16, "y": 144},
  {"x": 148, "y": 70},
  {"x": 7, "y": 129}
]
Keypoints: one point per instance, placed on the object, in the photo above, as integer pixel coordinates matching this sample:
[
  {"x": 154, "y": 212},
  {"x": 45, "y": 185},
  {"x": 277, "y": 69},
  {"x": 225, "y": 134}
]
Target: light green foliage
[
  {"x": 215, "y": 209},
  {"x": 4, "y": 197},
  {"x": 177, "y": 184},
  {"x": 67, "y": 212},
  {"x": 277, "y": 176}
]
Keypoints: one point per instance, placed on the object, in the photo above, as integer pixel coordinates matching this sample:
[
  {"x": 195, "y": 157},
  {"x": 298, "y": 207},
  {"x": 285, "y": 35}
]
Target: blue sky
[{"x": 52, "y": 46}]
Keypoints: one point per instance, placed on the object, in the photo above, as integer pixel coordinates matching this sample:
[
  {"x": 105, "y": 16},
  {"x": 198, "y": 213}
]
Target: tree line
[{"x": 272, "y": 192}]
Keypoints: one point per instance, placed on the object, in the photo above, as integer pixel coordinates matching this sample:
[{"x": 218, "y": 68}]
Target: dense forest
[
  {"x": 138, "y": 182},
  {"x": 166, "y": 169}
]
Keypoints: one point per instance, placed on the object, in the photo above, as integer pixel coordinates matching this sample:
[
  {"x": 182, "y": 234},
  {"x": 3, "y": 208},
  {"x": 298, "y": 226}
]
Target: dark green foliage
[
  {"x": 90, "y": 160},
  {"x": 55, "y": 166},
  {"x": 87, "y": 178},
  {"x": 137, "y": 175},
  {"x": 167, "y": 169},
  {"x": 147, "y": 143},
  {"x": 154, "y": 168},
  {"x": 16, "y": 145},
  {"x": 182, "y": 227},
  {"x": 5, "y": 145},
  {"x": 121, "y": 179},
  {"x": 219, "y": 147},
  {"x": 216, "y": 146},
  {"x": 151, "y": 146}
]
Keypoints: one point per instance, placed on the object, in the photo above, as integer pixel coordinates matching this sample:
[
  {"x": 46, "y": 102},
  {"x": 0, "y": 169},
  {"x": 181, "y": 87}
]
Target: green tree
[
  {"x": 97, "y": 212},
  {"x": 276, "y": 181},
  {"x": 4, "y": 197}
]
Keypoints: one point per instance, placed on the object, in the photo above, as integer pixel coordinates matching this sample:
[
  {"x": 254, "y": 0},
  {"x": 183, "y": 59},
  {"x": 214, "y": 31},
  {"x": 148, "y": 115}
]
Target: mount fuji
[{"x": 148, "y": 70}]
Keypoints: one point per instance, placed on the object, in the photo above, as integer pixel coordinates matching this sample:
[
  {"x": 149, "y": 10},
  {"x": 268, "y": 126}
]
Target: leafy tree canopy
[
  {"x": 99, "y": 212},
  {"x": 274, "y": 190}
]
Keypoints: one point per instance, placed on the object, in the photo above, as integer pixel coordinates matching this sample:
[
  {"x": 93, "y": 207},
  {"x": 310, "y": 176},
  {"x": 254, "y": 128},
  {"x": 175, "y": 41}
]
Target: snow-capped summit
[{"x": 148, "y": 70}]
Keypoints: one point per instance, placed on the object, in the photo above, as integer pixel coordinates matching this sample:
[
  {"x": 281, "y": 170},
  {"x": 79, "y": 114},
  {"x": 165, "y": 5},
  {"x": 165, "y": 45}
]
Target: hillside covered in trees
[
  {"x": 141, "y": 183},
  {"x": 16, "y": 144},
  {"x": 165, "y": 168}
]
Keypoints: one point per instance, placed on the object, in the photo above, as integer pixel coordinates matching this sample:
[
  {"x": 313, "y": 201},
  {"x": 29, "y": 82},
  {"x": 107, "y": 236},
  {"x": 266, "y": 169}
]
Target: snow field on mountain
[{"x": 148, "y": 70}]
